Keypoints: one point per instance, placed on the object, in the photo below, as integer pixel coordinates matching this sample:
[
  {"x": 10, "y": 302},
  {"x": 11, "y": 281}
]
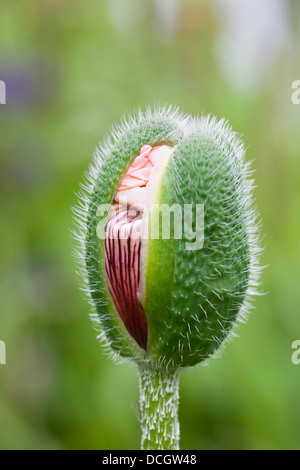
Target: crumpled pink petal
[
  {"x": 138, "y": 174},
  {"x": 123, "y": 243}
]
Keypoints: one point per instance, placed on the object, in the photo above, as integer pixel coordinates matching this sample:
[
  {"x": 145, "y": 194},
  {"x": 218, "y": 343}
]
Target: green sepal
[
  {"x": 153, "y": 131},
  {"x": 193, "y": 298}
]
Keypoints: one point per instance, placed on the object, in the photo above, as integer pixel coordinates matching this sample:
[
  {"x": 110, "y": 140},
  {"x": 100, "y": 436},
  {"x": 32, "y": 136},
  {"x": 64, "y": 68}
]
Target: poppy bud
[{"x": 168, "y": 238}]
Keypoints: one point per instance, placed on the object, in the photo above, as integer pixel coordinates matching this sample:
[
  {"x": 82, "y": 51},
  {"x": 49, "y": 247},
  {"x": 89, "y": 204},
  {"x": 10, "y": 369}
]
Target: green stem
[{"x": 159, "y": 400}]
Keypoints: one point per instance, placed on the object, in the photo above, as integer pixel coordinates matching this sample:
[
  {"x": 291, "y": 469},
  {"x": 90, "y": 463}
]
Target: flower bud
[{"x": 168, "y": 238}]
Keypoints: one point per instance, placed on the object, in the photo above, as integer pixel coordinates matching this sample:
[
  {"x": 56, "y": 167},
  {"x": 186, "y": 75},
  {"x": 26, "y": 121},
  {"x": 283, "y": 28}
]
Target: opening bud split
[{"x": 168, "y": 238}]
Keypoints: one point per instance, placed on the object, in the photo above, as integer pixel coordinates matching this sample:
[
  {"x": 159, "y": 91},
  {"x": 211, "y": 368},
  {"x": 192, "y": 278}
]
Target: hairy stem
[{"x": 159, "y": 400}]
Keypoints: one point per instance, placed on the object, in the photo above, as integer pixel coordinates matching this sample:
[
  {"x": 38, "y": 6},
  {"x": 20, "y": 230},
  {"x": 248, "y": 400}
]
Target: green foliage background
[{"x": 58, "y": 390}]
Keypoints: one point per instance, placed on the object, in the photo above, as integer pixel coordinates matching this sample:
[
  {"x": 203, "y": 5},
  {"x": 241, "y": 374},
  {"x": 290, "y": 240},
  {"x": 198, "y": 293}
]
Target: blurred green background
[{"x": 72, "y": 68}]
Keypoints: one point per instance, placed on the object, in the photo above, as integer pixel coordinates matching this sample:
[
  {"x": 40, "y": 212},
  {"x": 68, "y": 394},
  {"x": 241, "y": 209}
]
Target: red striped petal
[{"x": 122, "y": 263}]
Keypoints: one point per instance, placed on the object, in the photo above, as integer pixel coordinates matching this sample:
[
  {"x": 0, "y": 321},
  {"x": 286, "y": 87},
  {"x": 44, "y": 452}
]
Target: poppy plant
[{"x": 169, "y": 251}]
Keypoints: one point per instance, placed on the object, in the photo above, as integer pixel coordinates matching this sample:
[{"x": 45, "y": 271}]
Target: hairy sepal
[
  {"x": 193, "y": 298},
  {"x": 161, "y": 127}
]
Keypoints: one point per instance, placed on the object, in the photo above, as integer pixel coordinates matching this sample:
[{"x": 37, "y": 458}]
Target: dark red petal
[{"x": 122, "y": 264}]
